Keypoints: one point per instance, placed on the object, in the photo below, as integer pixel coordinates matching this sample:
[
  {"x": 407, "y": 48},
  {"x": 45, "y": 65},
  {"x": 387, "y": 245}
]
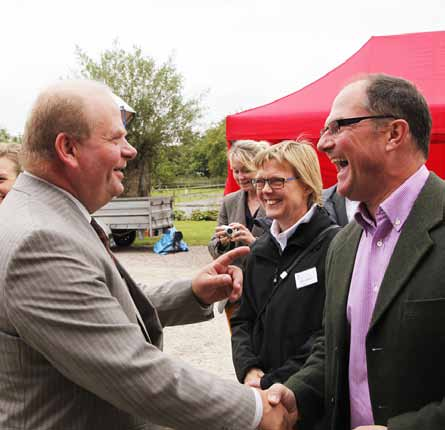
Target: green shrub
[
  {"x": 208, "y": 215},
  {"x": 179, "y": 215}
]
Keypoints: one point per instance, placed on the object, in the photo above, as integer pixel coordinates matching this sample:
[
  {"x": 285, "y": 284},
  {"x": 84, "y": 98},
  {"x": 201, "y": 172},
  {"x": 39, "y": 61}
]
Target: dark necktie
[
  {"x": 102, "y": 236},
  {"x": 130, "y": 283}
]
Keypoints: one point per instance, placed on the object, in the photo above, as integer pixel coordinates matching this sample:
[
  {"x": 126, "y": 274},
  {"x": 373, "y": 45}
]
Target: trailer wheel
[{"x": 124, "y": 237}]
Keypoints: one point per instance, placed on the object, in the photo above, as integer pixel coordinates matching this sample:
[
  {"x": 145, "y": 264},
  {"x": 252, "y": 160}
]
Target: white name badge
[{"x": 306, "y": 277}]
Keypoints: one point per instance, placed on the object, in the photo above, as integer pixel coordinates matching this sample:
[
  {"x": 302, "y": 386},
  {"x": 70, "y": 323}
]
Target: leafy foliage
[
  {"x": 210, "y": 153},
  {"x": 164, "y": 118},
  {"x": 5, "y": 136},
  {"x": 206, "y": 215}
]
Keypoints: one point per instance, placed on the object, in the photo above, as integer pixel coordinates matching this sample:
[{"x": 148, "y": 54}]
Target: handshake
[{"x": 279, "y": 408}]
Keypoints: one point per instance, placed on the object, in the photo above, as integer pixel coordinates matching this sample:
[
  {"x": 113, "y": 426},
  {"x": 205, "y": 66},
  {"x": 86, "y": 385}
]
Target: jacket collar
[{"x": 302, "y": 237}]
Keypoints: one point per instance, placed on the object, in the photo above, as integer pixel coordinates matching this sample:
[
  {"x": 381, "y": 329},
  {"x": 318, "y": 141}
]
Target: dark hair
[{"x": 399, "y": 97}]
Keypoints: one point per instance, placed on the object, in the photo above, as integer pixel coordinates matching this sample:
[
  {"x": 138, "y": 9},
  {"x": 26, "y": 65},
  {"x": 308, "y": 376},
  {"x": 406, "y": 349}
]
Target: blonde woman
[
  {"x": 9, "y": 167},
  {"x": 240, "y": 209},
  {"x": 281, "y": 308}
]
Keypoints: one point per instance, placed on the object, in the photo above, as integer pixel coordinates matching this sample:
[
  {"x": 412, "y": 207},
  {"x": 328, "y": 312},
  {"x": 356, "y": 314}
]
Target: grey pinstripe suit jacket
[{"x": 72, "y": 355}]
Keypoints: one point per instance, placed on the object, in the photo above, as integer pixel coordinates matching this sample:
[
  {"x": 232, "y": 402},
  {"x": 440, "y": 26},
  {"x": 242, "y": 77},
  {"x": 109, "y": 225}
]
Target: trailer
[{"x": 127, "y": 217}]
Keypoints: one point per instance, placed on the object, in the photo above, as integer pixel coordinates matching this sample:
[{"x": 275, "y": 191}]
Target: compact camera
[{"x": 229, "y": 231}]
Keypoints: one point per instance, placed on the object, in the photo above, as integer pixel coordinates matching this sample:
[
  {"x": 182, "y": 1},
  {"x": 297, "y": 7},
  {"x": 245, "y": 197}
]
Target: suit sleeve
[
  {"x": 59, "y": 303},
  {"x": 242, "y": 324},
  {"x": 429, "y": 417},
  {"x": 308, "y": 383},
  {"x": 176, "y": 304}
]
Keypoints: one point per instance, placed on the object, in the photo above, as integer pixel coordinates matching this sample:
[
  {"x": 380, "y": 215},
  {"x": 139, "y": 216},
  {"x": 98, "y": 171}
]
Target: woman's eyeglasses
[{"x": 274, "y": 183}]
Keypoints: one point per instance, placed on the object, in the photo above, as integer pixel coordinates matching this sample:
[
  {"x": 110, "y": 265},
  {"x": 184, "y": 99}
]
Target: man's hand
[
  {"x": 277, "y": 394},
  {"x": 274, "y": 417},
  {"x": 253, "y": 377},
  {"x": 371, "y": 428},
  {"x": 219, "y": 280}
]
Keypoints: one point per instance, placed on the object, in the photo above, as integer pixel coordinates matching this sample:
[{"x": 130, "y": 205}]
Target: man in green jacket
[{"x": 380, "y": 362}]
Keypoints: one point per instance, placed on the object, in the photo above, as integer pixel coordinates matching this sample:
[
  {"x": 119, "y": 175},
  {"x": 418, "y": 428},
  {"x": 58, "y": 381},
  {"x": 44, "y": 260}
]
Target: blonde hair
[
  {"x": 245, "y": 151},
  {"x": 302, "y": 157},
  {"x": 11, "y": 151}
]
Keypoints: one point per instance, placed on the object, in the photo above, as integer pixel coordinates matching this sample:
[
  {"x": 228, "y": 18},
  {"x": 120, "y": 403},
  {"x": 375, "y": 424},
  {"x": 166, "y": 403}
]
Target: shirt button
[
  {"x": 380, "y": 243},
  {"x": 397, "y": 221},
  {"x": 375, "y": 288}
]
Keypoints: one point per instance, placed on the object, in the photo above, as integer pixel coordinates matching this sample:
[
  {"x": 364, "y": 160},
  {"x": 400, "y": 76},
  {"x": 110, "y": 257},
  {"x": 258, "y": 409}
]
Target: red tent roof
[{"x": 418, "y": 57}]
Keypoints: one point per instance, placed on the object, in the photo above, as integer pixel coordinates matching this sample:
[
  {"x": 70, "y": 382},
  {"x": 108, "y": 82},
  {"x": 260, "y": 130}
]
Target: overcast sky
[{"x": 240, "y": 53}]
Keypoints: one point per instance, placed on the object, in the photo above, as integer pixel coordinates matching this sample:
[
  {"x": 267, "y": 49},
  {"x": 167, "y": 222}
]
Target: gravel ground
[{"x": 205, "y": 345}]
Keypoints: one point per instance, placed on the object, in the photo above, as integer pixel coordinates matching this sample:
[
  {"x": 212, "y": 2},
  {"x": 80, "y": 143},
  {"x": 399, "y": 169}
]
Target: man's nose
[
  {"x": 325, "y": 143},
  {"x": 128, "y": 151}
]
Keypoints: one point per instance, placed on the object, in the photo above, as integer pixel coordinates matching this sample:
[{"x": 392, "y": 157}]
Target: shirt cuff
[{"x": 258, "y": 409}]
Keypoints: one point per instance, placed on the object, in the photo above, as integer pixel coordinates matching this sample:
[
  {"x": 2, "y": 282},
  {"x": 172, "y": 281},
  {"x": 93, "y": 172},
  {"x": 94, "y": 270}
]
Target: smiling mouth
[
  {"x": 271, "y": 202},
  {"x": 340, "y": 163},
  {"x": 120, "y": 171}
]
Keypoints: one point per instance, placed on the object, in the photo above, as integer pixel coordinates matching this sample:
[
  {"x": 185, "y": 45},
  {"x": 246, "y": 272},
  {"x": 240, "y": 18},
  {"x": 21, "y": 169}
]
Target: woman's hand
[
  {"x": 241, "y": 234},
  {"x": 221, "y": 235},
  {"x": 253, "y": 377}
]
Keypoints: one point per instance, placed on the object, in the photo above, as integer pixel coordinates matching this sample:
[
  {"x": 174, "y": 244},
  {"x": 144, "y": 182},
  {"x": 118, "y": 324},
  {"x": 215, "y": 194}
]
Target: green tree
[
  {"x": 5, "y": 136},
  {"x": 210, "y": 152},
  {"x": 164, "y": 117}
]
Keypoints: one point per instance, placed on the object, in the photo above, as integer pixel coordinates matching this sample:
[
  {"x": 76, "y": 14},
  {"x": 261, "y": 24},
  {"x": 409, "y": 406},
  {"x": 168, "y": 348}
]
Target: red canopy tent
[{"x": 418, "y": 57}]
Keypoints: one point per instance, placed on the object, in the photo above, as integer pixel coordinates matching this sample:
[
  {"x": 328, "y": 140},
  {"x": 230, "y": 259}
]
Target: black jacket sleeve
[
  {"x": 242, "y": 323},
  {"x": 292, "y": 365}
]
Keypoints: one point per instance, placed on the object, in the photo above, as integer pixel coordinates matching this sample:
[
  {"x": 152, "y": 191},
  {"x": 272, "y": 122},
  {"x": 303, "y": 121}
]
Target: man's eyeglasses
[
  {"x": 334, "y": 126},
  {"x": 274, "y": 183}
]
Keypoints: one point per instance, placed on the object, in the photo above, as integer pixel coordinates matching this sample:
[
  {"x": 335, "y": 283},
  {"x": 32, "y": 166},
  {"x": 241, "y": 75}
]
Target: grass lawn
[
  {"x": 195, "y": 233},
  {"x": 182, "y": 195}
]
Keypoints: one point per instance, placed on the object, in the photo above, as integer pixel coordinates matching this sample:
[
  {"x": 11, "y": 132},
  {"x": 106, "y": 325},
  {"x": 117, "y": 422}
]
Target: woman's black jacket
[{"x": 279, "y": 340}]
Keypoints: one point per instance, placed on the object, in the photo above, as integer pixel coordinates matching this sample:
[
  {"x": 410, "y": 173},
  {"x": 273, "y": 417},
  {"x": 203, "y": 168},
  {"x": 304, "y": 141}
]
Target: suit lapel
[
  {"x": 240, "y": 209},
  {"x": 342, "y": 267},
  {"x": 413, "y": 244}
]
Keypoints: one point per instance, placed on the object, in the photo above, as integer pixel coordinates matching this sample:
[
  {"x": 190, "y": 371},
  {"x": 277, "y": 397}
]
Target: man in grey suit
[
  {"x": 340, "y": 209},
  {"x": 380, "y": 363},
  {"x": 80, "y": 342}
]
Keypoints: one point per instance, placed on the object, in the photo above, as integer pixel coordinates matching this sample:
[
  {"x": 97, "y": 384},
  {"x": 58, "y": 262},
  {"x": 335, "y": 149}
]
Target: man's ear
[
  {"x": 398, "y": 132},
  {"x": 66, "y": 149}
]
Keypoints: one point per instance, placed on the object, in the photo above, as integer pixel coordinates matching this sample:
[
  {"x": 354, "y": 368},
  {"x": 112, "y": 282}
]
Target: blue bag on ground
[{"x": 170, "y": 241}]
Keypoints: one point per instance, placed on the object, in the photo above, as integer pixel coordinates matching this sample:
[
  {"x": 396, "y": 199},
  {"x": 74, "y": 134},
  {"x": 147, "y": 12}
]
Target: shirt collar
[
  {"x": 397, "y": 206},
  {"x": 81, "y": 207},
  {"x": 283, "y": 236}
]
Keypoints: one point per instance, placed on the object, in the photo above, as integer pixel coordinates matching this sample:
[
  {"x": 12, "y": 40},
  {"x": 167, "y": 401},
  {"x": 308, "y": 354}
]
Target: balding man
[
  {"x": 79, "y": 341},
  {"x": 380, "y": 363}
]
